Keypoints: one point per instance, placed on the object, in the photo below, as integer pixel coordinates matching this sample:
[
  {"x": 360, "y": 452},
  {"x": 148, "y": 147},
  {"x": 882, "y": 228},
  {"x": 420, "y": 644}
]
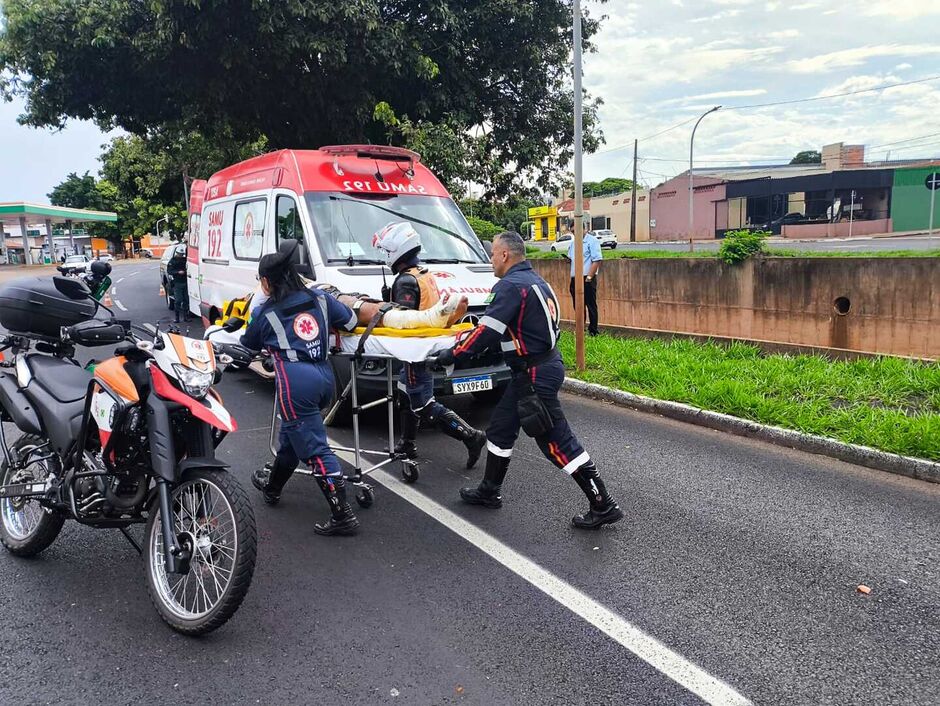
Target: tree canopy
[
  {"x": 606, "y": 187},
  {"x": 807, "y": 157},
  {"x": 484, "y": 87}
]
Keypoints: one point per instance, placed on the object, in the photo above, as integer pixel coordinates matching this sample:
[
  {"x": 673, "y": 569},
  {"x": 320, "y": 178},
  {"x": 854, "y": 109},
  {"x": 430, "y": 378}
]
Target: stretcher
[{"x": 384, "y": 346}]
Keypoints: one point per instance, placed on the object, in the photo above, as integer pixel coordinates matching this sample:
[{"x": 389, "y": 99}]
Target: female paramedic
[
  {"x": 414, "y": 288},
  {"x": 294, "y": 325}
]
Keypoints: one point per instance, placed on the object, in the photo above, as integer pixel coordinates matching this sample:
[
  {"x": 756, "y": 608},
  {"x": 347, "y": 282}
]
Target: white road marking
[
  {"x": 669, "y": 663},
  {"x": 119, "y": 305},
  {"x": 133, "y": 273},
  {"x": 120, "y": 280},
  {"x": 113, "y": 291}
]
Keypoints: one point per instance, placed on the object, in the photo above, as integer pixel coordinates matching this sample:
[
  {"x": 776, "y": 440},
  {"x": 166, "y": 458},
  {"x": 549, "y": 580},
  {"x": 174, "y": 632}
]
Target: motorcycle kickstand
[{"x": 130, "y": 538}]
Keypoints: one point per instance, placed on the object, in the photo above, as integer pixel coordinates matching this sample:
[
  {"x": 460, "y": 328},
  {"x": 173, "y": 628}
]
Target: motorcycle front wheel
[{"x": 213, "y": 520}]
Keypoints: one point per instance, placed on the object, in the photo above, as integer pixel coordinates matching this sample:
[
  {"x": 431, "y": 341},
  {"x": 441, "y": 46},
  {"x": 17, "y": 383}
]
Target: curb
[{"x": 918, "y": 468}]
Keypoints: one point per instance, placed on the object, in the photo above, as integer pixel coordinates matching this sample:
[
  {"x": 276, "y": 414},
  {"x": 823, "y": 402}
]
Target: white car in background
[
  {"x": 606, "y": 237},
  {"x": 105, "y": 257},
  {"x": 74, "y": 265}
]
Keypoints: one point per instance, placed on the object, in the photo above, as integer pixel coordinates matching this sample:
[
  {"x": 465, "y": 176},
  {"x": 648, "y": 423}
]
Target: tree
[
  {"x": 483, "y": 228},
  {"x": 807, "y": 157},
  {"x": 606, "y": 187},
  {"x": 489, "y": 81},
  {"x": 88, "y": 193}
]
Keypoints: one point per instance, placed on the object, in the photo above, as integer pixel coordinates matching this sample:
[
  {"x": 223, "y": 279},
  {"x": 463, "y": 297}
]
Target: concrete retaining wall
[{"x": 892, "y": 304}]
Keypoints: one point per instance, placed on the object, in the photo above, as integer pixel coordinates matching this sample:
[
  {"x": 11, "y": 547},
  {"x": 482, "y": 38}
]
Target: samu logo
[{"x": 306, "y": 327}]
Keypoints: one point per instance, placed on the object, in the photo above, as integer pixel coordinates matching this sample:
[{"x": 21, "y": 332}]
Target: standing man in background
[
  {"x": 176, "y": 269},
  {"x": 591, "y": 254}
]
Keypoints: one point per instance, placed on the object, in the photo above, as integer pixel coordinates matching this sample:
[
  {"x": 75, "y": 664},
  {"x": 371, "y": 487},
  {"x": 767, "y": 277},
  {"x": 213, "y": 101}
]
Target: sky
[{"x": 665, "y": 62}]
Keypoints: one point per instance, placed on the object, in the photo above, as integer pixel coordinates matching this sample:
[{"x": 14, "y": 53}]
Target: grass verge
[{"x": 890, "y": 404}]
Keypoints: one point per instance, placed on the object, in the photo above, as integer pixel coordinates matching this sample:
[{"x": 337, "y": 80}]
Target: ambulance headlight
[{"x": 194, "y": 382}]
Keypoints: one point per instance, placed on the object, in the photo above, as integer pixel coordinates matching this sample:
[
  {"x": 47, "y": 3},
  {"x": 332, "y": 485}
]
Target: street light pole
[
  {"x": 691, "y": 146},
  {"x": 578, "y": 249}
]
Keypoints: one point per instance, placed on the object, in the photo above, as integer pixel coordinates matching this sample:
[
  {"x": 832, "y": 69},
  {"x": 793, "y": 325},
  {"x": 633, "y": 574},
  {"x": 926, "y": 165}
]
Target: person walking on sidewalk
[
  {"x": 522, "y": 319},
  {"x": 592, "y": 258},
  {"x": 415, "y": 288}
]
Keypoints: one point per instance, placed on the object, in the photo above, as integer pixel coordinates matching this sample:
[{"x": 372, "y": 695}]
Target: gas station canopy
[{"x": 23, "y": 215}]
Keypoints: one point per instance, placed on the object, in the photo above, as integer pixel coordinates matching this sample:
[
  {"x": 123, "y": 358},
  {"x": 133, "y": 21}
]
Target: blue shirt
[{"x": 591, "y": 248}]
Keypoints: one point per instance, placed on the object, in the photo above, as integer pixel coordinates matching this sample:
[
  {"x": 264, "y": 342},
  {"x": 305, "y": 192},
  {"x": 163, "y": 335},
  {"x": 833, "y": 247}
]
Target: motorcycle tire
[
  {"x": 234, "y": 547},
  {"x": 27, "y": 529}
]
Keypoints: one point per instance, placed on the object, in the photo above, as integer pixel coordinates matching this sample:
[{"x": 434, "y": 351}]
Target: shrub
[
  {"x": 485, "y": 230},
  {"x": 739, "y": 245}
]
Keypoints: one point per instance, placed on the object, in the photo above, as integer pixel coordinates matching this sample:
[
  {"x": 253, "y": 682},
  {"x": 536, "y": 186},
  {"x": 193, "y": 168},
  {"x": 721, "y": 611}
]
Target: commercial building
[
  {"x": 29, "y": 234},
  {"x": 842, "y": 196}
]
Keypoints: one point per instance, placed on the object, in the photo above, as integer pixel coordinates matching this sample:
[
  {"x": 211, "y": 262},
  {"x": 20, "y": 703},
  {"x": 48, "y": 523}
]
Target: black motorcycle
[{"x": 131, "y": 441}]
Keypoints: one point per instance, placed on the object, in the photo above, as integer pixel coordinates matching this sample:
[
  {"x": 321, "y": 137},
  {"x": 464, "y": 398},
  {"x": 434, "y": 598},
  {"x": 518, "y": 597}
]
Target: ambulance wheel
[
  {"x": 409, "y": 471},
  {"x": 366, "y": 497}
]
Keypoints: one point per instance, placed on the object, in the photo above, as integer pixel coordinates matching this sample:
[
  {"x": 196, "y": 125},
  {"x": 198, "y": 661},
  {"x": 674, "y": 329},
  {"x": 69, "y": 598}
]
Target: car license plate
[{"x": 474, "y": 384}]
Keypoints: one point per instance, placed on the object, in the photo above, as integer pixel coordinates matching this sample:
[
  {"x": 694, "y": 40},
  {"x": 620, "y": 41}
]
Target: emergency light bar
[{"x": 373, "y": 152}]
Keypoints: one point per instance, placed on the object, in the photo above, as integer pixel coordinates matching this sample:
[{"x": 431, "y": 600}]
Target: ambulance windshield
[{"x": 345, "y": 223}]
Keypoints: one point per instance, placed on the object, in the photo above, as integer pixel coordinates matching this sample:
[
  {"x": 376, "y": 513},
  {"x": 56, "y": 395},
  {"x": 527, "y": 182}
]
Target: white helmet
[{"x": 397, "y": 239}]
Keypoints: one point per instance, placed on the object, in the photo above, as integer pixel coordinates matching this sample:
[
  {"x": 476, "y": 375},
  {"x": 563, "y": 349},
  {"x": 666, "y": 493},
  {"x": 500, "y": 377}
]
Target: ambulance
[
  {"x": 197, "y": 193},
  {"x": 333, "y": 200}
]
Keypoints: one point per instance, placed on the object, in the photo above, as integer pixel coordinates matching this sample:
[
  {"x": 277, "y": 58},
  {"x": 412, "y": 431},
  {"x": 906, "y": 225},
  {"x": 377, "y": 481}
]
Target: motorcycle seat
[{"x": 63, "y": 380}]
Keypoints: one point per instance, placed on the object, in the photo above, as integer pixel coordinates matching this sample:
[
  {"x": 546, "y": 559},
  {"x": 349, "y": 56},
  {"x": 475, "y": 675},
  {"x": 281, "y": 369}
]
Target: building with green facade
[{"x": 910, "y": 200}]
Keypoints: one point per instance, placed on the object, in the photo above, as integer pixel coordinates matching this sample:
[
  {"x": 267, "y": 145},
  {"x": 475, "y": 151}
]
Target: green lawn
[
  {"x": 886, "y": 403},
  {"x": 535, "y": 254}
]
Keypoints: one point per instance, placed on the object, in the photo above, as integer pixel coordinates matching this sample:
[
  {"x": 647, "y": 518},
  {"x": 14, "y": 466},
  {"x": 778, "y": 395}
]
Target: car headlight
[{"x": 194, "y": 382}]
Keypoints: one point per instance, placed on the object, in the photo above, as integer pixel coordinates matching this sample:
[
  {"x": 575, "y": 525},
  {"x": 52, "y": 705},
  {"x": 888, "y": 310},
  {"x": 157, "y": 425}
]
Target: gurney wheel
[
  {"x": 366, "y": 497},
  {"x": 409, "y": 471}
]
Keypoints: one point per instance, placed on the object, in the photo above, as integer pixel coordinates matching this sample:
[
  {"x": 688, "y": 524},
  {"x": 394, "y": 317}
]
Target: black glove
[{"x": 441, "y": 360}]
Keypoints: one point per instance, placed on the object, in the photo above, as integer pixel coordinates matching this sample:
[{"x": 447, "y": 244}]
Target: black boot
[
  {"x": 409, "y": 430},
  {"x": 487, "y": 493},
  {"x": 603, "y": 509},
  {"x": 451, "y": 424},
  {"x": 342, "y": 519},
  {"x": 271, "y": 479}
]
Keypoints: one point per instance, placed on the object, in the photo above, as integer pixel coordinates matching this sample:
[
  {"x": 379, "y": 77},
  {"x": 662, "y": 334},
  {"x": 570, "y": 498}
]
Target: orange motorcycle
[{"x": 130, "y": 441}]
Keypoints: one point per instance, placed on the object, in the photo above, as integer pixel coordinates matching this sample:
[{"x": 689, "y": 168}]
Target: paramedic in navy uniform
[
  {"x": 522, "y": 318},
  {"x": 294, "y": 325}
]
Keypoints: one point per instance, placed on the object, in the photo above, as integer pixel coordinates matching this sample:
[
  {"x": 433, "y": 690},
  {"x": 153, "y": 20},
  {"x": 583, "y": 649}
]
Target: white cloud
[
  {"x": 723, "y": 15},
  {"x": 857, "y": 56},
  {"x": 902, "y": 67},
  {"x": 784, "y": 34},
  {"x": 900, "y": 9},
  {"x": 717, "y": 94},
  {"x": 804, "y": 6}
]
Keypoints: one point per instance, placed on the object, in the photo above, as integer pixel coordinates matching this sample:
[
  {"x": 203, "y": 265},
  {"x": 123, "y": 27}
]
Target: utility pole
[
  {"x": 578, "y": 249},
  {"x": 691, "y": 146},
  {"x": 633, "y": 200},
  {"x": 852, "y": 213}
]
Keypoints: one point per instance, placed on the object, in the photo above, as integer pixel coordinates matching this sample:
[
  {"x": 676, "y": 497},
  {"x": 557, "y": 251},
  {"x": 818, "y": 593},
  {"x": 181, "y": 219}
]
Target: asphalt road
[
  {"x": 831, "y": 244},
  {"x": 740, "y": 559}
]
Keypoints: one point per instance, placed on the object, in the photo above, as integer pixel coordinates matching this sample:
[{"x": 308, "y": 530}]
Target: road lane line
[
  {"x": 120, "y": 280},
  {"x": 132, "y": 273},
  {"x": 113, "y": 291},
  {"x": 669, "y": 663},
  {"x": 119, "y": 305}
]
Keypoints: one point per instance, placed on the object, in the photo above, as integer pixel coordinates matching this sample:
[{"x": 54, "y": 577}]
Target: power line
[
  {"x": 648, "y": 137},
  {"x": 832, "y": 95},
  {"x": 910, "y": 139}
]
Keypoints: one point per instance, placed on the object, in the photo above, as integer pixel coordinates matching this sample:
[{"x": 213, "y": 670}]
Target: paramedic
[
  {"x": 522, "y": 319},
  {"x": 415, "y": 288},
  {"x": 293, "y": 325}
]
